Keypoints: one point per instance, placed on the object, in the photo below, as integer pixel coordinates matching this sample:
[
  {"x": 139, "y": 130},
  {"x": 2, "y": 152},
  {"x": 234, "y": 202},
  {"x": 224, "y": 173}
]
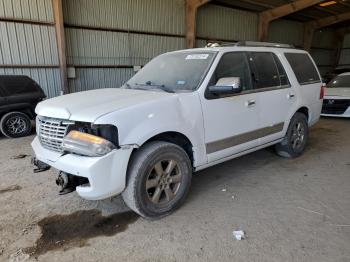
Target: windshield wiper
[{"x": 162, "y": 87}]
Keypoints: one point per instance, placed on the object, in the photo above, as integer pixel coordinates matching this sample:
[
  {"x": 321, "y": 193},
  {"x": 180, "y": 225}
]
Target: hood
[
  {"x": 89, "y": 105},
  {"x": 342, "y": 92}
]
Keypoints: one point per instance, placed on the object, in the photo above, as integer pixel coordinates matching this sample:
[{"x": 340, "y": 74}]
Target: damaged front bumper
[{"x": 106, "y": 174}]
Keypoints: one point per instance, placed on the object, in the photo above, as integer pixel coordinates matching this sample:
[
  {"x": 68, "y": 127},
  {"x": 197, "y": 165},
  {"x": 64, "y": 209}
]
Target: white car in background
[
  {"x": 183, "y": 112},
  {"x": 336, "y": 101}
]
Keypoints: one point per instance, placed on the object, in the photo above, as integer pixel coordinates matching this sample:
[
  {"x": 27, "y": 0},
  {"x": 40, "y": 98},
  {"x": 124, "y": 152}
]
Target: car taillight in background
[{"x": 322, "y": 91}]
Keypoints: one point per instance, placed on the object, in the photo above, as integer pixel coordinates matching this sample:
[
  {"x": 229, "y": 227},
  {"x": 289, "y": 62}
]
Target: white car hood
[
  {"x": 342, "y": 92},
  {"x": 90, "y": 105}
]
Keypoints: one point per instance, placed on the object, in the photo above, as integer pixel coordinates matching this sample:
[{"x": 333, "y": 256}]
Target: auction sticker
[{"x": 197, "y": 57}]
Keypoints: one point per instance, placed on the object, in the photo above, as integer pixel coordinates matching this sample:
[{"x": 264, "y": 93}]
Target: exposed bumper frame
[{"x": 106, "y": 174}]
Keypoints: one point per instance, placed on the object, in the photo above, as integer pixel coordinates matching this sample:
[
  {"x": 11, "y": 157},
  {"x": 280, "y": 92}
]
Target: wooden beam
[
  {"x": 61, "y": 46},
  {"x": 311, "y": 26},
  {"x": 269, "y": 15},
  {"x": 191, "y": 13},
  {"x": 329, "y": 20}
]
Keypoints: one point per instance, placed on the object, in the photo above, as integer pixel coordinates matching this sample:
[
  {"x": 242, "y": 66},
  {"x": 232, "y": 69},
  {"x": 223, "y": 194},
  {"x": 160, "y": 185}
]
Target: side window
[
  {"x": 303, "y": 68},
  {"x": 282, "y": 73},
  {"x": 234, "y": 64},
  {"x": 265, "y": 73}
]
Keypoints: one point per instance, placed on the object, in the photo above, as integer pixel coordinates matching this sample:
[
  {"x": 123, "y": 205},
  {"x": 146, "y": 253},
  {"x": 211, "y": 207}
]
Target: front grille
[
  {"x": 335, "y": 106},
  {"x": 51, "y": 132}
]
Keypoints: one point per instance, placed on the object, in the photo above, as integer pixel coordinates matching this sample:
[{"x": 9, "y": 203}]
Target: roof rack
[
  {"x": 251, "y": 43},
  {"x": 266, "y": 44}
]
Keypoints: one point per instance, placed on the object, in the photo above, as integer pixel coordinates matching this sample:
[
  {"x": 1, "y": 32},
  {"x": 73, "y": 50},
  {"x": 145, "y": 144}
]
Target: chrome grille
[{"x": 51, "y": 132}]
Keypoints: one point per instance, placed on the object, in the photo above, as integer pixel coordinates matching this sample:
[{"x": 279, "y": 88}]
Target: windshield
[
  {"x": 172, "y": 72},
  {"x": 340, "y": 81}
]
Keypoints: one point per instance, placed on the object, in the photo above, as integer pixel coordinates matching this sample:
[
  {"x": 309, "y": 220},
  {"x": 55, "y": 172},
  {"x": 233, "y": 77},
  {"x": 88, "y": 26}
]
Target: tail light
[{"x": 322, "y": 91}]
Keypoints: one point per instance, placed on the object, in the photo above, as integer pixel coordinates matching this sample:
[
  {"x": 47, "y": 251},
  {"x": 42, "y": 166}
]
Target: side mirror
[{"x": 226, "y": 86}]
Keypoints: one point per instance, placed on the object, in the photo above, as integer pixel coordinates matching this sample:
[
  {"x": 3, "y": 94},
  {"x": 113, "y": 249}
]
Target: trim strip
[{"x": 243, "y": 138}]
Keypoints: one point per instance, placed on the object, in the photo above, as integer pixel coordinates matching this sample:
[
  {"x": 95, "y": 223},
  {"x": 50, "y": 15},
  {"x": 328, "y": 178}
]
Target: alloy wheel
[
  {"x": 298, "y": 136},
  {"x": 16, "y": 125},
  {"x": 163, "y": 182}
]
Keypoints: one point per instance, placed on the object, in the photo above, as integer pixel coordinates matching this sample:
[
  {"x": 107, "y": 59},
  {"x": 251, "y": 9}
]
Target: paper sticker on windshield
[{"x": 197, "y": 57}]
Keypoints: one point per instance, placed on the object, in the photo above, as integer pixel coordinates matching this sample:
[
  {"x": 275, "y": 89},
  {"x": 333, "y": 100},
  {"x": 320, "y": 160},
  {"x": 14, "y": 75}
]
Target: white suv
[{"x": 183, "y": 112}]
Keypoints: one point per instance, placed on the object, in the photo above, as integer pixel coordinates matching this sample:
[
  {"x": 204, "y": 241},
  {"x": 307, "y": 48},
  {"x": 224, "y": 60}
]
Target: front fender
[{"x": 178, "y": 113}]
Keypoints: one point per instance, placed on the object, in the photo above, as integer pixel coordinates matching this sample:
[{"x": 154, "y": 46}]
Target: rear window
[
  {"x": 341, "y": 81},
  {"x": 304, "y": 69},
  {"x": 14, "y": 85}
]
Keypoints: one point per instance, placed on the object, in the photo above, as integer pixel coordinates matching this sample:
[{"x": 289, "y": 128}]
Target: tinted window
[
  {"x": 264, "y": 69},
  {"x": 303, "y": 68},
  {"x": 14, "y": 85},
  {"x": 342, "y": 81},
  {"x": 282, "y": 73},
  {"x": 233, "y": 64}
]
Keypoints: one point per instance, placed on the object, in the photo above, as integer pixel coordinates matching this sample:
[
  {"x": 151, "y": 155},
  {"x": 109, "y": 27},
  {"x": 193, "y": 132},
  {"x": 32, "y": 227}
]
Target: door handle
[
  {"x": 250, "y": 103},
  {"x": 290, "y": 95}
]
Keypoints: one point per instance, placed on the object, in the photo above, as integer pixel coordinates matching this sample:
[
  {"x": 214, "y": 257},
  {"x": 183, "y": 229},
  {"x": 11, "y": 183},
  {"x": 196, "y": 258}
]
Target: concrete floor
[{"x": 291, "y": 210}]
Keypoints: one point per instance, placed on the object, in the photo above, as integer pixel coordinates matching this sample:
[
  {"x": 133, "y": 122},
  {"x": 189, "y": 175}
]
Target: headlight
[{"x": 86, "y": 144}]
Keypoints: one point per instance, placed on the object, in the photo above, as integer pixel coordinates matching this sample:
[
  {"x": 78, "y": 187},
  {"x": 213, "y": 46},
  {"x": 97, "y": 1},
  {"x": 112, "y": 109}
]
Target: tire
[
  {"x": 15, "y": 124},
  {"x": 148, "y": 182},
  {"x": 293, "y": 144}
]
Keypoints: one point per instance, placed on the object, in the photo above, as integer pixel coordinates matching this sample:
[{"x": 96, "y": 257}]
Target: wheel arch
[
  {"x": 174, "y": 137},
  {"x": 304, "y": 110}
]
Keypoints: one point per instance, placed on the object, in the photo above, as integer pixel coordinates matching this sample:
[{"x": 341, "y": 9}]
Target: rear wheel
[
  {"x": 293, "y": 145},
  {"x": 159, "y": 178},
  {"x": 15, "y": 124}
]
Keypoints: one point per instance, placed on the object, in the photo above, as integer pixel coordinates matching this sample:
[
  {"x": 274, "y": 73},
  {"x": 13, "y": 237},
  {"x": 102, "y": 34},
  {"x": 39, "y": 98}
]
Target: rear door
[
  {"x": 309, "y": 81},
  {"x": 276, "y": 96}
]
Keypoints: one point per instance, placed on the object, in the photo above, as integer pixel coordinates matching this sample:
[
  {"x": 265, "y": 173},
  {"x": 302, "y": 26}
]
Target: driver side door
[{"x": 231, "y": 122}]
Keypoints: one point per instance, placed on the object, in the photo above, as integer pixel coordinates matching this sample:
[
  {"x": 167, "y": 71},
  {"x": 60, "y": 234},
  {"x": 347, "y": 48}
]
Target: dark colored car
[{"x": 19, "y": 96}]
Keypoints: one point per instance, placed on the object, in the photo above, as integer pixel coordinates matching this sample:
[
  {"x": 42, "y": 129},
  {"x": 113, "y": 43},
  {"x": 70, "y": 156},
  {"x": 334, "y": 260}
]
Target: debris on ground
[
  {"x": 20, "y": 156},
  {"x": 10, "y": 189},
  {"x": 19, "y": 256},
  {"x": 223, "y": 190},
  {"x": 233, "y": 197},
  {"x": 28, "y": 228},
  {"x": 238, "y": 234}
]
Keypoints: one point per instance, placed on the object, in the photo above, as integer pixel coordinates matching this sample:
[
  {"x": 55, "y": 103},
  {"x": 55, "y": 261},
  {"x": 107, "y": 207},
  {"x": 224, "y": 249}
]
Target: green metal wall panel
[
  {"x": 286, "y": 31},
  {"x": 217, "y": 22},
  {"x": 37, "y": 10},
  {"x": 162, "y": 16},
  {"x": 94, "y": 78}
]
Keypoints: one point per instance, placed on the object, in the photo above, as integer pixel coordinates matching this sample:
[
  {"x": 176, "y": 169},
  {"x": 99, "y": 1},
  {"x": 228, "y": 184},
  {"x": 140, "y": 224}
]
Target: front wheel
[
  {"x": 293, "y": 145},
  {"x": 15, "y": 124},
  {"x": 159, "y": 178}
]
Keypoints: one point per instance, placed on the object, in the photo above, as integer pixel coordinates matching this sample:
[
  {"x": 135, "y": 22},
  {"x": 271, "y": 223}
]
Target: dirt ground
[{"x": 290, "y": 210}]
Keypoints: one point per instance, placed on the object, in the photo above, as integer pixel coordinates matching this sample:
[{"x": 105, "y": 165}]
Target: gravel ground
[{"x": 290, "y": 210}]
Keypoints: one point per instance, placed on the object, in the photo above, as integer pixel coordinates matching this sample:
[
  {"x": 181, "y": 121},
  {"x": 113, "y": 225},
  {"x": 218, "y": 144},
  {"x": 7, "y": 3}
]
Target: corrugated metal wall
[
  {"x": 106, "y": 38},
  {"x": 324, "y": 50},
  {"x": 291, "y": 32},
  {"x": 122, "y": 33},
  {"x": 344, "y": 59},
  {"x": 221, "y": 23},
  {"x": 29, "y": 48},
  {"x": 286, "y": 31}
]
